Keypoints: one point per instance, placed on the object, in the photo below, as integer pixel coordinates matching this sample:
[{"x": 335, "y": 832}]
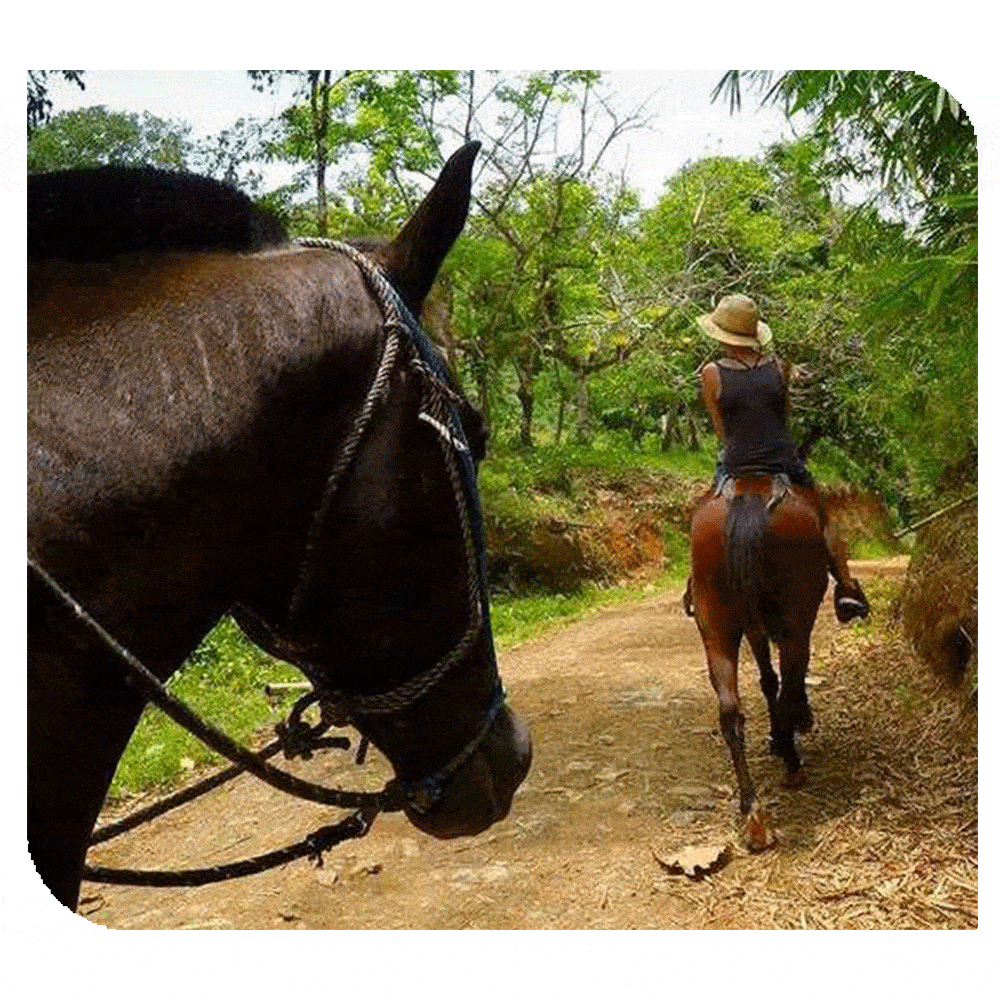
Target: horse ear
[{"x": 412, "y": 259}]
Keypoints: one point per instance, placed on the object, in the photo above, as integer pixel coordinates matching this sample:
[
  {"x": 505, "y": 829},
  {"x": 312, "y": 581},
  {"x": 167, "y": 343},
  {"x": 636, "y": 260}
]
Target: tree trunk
[
  {"x": 319, "y": 99},
  {"x": 481, "y": 376},
  {"x": 527, "y": 400},
  {"x": 695, "y": 434},
  {"x": 637, "y": 429},
  {"x": 584, "y": 418},
  {"x": 561, "y": 414},
  {"x": 671, "y": 428},
  {"x": 526, "y": 365}
]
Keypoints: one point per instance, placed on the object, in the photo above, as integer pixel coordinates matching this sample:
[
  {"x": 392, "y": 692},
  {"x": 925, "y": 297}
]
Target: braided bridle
[{"x": 440, "y": 400}]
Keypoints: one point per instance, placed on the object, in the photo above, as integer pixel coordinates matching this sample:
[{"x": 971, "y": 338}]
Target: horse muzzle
[{"x": 480, "y": 793}]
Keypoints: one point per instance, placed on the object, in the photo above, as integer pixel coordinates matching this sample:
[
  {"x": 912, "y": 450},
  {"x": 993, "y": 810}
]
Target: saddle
[{"x": 781, "y": 486}]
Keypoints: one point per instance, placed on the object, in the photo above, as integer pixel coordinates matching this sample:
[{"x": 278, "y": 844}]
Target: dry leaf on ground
[{"x": 696, "y": 861}]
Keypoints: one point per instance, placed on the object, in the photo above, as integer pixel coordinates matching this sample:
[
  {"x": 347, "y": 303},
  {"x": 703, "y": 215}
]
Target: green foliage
[
  {"x": 899, "y": 127},
  {"x": 551, "y": 472},
  {"x": 387, "y": 114},
  {"x": 917, "y": 284},
  {"x": 712, "y": 218},
  {"x": 537, "y": 287},
  {"x": 39, "y": 103},
  {"x": 569, "y": 314},
  {"x": 92, "y": 137},
  {"x": 768, "y": 228},
  {"x": 378, "y": 110},
  {"x": 233, "y": 154}
]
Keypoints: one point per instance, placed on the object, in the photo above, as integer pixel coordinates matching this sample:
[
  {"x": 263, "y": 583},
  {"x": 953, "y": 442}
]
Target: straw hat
[{"x": 735, "y": 321}]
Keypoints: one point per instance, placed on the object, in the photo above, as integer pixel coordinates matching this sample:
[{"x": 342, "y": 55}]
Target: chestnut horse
[
  {"x": 223, "y": 421},
  {"x": 759, "y": 569}
]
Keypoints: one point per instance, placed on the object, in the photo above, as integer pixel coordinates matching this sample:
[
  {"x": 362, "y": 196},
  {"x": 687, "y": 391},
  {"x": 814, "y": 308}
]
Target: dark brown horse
[
  {"x": 222, "y": 421},
  {"x": 759, "y": 569}
]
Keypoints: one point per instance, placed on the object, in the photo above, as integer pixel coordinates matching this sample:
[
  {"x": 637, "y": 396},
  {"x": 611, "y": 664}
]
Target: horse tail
[{"x": 745, "y": 556}]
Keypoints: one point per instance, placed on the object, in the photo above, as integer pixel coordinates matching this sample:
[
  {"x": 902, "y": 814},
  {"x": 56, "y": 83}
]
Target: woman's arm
[{"x": 711, "y": 386}]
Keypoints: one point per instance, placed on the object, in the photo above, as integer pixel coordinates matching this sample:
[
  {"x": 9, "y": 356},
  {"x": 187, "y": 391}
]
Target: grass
[
  {"x": 872, "y": 548},
  {"x": 883, "y": 598},
  {"x": 550, "y": 468}
]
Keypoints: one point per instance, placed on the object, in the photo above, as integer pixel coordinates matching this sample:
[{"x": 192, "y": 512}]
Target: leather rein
[{"x": 296, "y": 737}]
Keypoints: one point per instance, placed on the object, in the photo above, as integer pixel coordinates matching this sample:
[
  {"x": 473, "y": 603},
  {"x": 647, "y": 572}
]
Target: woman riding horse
[{"x": 746, "y": 394}]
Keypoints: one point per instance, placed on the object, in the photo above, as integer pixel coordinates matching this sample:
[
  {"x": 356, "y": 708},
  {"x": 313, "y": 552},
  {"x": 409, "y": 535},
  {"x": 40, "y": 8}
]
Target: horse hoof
[
  {"x": 759, "y": 831},
  {"x": 795, "y": 779}
]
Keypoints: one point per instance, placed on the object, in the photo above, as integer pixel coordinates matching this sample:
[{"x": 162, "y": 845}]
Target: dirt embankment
[
  {"x": 629, "y": 525},
  {"x": 940, "y": 604},
  {"x": 610, "y": 528}
]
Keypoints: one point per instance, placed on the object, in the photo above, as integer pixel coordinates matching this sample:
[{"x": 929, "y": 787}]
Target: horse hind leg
[
  {"x": 722, "y": 656},
  {"x": 769, "y": 684},
  {"x": 759, "y": 832},
  {"x": 794, "y": 714}
]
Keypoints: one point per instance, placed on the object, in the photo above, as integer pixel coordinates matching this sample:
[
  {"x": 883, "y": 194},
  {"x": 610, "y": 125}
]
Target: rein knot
[
  {"x": 354, "y": 826},
  {"x": 299, "y": 739}
]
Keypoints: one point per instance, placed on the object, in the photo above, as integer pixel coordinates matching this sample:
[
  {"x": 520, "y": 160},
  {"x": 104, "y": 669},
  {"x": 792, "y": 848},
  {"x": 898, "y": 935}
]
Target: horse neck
[
  {"x": 190, "y": 484},
  {"x": 282, "y": 471}
]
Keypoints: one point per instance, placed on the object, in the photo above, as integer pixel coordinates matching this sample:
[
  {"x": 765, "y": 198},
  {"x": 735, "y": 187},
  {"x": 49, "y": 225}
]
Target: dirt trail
[{"x": 628, "y": 766}]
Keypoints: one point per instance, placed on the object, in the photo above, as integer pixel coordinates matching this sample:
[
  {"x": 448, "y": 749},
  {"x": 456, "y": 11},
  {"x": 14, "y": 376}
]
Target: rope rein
[
  {"x": 355, "y": 825},
  {"x": 296, "y": 738}
]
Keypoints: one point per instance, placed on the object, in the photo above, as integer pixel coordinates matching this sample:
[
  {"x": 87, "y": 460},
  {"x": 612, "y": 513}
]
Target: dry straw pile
[{"x": 940, "y": 603}]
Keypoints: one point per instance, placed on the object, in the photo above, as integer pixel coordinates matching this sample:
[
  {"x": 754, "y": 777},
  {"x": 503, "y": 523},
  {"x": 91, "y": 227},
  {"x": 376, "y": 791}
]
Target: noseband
[{"x": 438, "y": 409}]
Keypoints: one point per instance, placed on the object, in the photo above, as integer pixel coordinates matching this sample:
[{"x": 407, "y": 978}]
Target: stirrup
[{"x": 848, "y": 605}]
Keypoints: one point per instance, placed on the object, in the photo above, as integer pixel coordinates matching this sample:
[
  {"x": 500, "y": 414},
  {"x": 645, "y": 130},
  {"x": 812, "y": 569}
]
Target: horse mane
[{"x": 96, "y": 214}]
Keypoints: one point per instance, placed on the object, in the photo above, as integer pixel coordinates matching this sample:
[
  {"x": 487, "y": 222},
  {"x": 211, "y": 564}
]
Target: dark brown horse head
[
  {"x": 396, "y": 589},
  {"x": 397, "y": 577},
  {"x": 194, "y": 381}
]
